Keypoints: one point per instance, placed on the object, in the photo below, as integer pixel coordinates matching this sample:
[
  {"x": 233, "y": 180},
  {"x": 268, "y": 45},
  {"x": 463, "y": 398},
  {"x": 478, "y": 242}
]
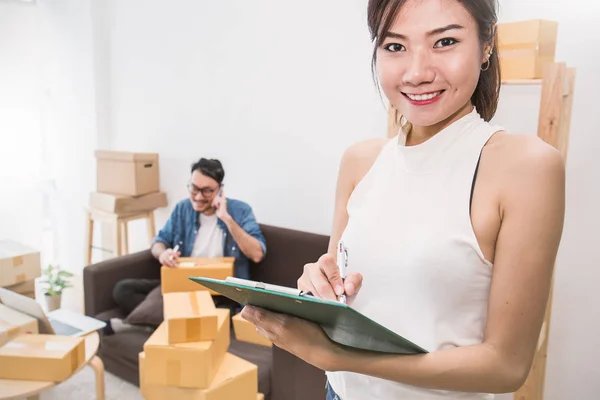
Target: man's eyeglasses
[{"x": 206, "y": 191}]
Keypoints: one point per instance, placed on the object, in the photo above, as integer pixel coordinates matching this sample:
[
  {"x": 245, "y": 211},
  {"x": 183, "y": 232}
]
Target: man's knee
[{"x": 123, "y": 289}]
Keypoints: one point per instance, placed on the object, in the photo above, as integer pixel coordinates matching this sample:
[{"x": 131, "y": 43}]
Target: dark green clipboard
[{"x": 340, "y": 322}]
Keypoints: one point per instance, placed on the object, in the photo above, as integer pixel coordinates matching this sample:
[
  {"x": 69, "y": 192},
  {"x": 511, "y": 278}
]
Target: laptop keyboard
[{"x": 63, "y": 329}]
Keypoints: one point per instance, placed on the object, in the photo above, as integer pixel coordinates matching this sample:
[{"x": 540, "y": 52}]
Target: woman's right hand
[
  {"x": 323, "y": 280},
  {"x": 169, "y": 258}
]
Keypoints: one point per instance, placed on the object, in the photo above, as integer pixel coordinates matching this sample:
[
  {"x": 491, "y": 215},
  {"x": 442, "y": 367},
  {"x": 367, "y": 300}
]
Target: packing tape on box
[
  {"x": 20, "y": 278},
  {"x": 17, "y": 261}
]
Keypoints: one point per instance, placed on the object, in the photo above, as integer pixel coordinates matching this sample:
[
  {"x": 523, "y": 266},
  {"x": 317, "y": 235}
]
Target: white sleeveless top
[{"x": 410, "y": 235}]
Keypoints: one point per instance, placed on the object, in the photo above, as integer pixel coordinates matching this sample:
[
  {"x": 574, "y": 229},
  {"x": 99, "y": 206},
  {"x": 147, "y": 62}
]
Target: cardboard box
[
  {"x": 191, "y": 365},
  {"x": 26, "y": 288},
  {"x": 525, "y": 46},
  {"x": 246, "y": 332},
  {"x": 121, "y": 204},
  {"x": 177, "y": 279},
  {"x": 18, "y": 263},
  {"x": 190, "y": 317},
  {"x": 236, "y": 379},
  {"x": 35, "y": 357},
  {"x": 13, "y": 323},
  {"x": 132, "y": 174}
]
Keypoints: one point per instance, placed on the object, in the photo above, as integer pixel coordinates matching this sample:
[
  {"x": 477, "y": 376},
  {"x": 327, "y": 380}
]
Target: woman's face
[{"x": 430, "y": 61}]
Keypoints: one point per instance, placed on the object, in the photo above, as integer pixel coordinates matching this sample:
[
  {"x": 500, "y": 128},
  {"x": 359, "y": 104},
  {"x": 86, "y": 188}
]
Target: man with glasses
[{"x": 207, "y": 224}]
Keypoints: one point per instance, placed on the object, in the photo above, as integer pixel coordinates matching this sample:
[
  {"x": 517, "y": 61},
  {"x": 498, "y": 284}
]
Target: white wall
[{"x": 20, "y": 138}]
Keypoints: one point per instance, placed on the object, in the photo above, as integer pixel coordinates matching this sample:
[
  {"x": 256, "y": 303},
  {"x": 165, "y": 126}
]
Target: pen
[
  {"x": 175, "y": 249},
  {"x": 342, "y": 262}
]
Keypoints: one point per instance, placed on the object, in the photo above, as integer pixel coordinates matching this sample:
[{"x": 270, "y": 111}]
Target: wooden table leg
[{"x": 98, "y": 367}]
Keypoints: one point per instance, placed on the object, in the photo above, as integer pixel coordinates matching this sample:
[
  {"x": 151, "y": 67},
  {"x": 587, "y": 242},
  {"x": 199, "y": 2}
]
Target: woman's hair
[
  {"x": 381, "y": 15},
  {"x": 211, "y": 168}
]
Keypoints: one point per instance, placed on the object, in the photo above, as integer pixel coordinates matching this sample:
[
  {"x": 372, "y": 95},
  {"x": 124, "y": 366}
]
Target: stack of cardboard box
[
  {"x": 127, "y": 183},
  {"x": 186, "y": 357},
  {"x": 19, "y": 266}
]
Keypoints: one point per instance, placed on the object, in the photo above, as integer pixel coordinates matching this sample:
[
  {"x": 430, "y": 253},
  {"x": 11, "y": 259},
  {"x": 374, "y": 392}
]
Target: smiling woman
[{"x": 452, "y": 226}]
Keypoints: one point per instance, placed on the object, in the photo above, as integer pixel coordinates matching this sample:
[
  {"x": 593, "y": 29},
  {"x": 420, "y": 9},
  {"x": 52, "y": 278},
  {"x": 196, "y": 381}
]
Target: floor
[{"x": 82, "y": 387}]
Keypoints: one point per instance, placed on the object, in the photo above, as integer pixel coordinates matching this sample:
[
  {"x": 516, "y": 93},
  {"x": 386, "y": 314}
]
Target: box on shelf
[
  {"x": 26, "y": 288},
  {"x": 36, "y": 357},
  {"x": 177, "y": 279},
  {"x": 191, "y": 365},
  {"x": 122, "y": 204},
  {"x": 190, "y": 317},
  {"x": 18, "y": 263},
  {"x": 525, "y": 46},
  {"x": 246, "y": 332},
  {"x": 236, "y": 379},
  {"x": 127, "y": 173},
  {"x": 14, "y": 323}
]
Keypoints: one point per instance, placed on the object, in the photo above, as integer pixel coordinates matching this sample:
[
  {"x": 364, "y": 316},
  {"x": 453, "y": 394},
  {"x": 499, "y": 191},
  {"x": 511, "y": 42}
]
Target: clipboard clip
[{"x": 266, "y": 286}]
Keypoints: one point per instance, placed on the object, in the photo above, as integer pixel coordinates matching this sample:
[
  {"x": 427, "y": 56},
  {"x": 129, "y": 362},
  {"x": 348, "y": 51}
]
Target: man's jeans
[{"x": 331, "y": 395}]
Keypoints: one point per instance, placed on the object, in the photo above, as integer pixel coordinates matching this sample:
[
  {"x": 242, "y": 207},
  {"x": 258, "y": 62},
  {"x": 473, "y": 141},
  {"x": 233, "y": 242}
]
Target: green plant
[{"x": 55, "y": 280}]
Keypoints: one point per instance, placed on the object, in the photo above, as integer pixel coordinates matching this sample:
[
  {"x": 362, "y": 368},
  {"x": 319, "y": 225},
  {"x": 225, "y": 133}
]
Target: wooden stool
[{"x": 120, "y": 231}]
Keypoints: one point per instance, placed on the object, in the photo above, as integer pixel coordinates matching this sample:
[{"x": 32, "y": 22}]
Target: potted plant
[{"x": 55, "y": 280}]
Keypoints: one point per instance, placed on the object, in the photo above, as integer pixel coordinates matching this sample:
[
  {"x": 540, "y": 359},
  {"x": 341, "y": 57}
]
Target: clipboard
[{"x": 341, "y": 323}]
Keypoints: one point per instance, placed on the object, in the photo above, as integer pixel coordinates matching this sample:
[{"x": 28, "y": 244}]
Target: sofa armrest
[{"x": 99, "y": 279}]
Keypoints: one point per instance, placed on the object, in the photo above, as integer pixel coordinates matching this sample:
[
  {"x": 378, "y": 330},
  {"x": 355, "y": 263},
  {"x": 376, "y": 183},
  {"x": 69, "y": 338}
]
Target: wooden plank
[{"x": 553, "y": 127}]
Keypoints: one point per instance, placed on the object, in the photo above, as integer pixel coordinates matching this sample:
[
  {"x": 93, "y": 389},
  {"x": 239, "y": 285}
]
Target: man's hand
[
  {"x": 220, "y": 204},
  {"x": 169, "y": 258}
]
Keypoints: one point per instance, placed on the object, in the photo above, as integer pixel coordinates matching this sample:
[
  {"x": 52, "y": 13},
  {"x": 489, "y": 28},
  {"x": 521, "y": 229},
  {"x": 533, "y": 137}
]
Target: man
[{"x": 207, "y": 224}]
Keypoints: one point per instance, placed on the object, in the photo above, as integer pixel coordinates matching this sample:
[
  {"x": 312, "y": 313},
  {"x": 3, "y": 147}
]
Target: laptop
[{"x": 59, "y": 322}]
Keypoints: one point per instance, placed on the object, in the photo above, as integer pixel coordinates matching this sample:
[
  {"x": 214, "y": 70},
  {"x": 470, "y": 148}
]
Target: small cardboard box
[
  {"x": 26, "y": 288},
  {"x": 191, "y": 365},
  {"x": 132, "y": 174},
  {"x": 35, "y": 357},
  {"x": 121, "y": 204},
  {"x": 13, "y": 323},
  {"x": 236, "y": 379},
  {"x": 177, "y": 279},
  {"x": 246, "y": 332},
  {"x": 525, "y": 46},
  {"x": 190, "y": 317},
  {"x": 18, "y": 263}
]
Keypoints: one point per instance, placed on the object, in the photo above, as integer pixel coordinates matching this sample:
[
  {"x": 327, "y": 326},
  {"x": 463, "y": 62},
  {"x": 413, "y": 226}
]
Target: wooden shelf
[{"x": 522, "y": 82}]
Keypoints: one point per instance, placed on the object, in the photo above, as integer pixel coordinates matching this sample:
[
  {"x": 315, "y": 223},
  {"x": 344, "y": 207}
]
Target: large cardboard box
[
  {"x": 132, "y": 174},
  {"x": 177, "y": 279},
  {"x": 121, "y": 204},
  {"x": 18, "y": 263},
  {"x": 191, "y": 365},
  {"x": 236, "y": 379},
  {"x": 26, "y": 288},
  {"x": 41, "y": 357},
  {"x": 190, "y": 317},
  {"x": 14, "y": 323},
  {"x": 246, "y": 332},
  {"x": 525, "y": 46}
]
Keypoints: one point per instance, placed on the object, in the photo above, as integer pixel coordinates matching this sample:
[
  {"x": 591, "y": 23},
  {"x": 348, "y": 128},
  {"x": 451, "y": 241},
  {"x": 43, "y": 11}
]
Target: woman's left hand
[{"x": 304, "y": 339}]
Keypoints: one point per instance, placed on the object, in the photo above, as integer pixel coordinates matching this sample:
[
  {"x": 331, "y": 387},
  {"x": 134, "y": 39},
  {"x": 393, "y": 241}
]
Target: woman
[{"x": 452, "y": 227}]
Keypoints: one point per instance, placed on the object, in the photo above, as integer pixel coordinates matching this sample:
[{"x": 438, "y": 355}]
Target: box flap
[{"x": 125, "y": 156}]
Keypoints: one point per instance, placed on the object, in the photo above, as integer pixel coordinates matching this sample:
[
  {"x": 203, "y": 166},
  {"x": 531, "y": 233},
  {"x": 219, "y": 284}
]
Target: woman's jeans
[{"x": 331, "y": 395}]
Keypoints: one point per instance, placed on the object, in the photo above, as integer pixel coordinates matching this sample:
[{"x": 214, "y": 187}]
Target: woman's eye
[
  {"x": 394, "y": 47},
  {"x": 445, "y": 42}
]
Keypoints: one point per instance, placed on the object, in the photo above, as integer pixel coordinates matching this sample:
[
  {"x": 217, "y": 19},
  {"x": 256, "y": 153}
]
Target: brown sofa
[{"x": 282, "y": 376}]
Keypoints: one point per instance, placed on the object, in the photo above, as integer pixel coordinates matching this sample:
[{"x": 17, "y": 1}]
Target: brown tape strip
[
  {"x": 17, "y": 261},
  {"x": 20, "y": 278}
]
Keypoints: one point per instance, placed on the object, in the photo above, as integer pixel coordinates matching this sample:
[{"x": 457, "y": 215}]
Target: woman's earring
[{"x": 487, "y": 62}]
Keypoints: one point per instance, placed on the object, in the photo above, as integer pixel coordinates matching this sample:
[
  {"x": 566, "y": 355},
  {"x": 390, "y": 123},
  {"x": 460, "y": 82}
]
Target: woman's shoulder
[
  {"x": 523, "y": 157},
  {"x": 359, "y": 157}
]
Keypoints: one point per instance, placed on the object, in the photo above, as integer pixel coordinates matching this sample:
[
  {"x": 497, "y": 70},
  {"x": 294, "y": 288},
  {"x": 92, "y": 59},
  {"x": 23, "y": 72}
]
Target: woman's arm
[{"x": 532, "y": 211}]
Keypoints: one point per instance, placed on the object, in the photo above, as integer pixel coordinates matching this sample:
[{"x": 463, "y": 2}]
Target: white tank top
[{"x": 410, "y": 235}]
